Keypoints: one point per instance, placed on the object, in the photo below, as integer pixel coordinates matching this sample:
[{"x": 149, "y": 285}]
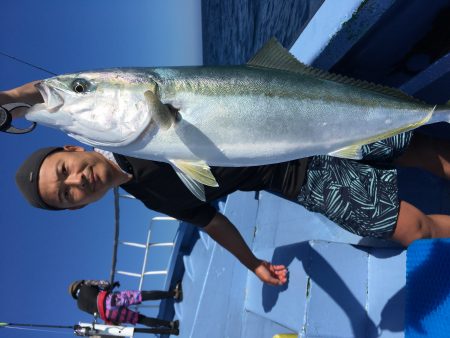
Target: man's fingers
[
  {"x": 280, "y": 272},
  {"x": 274, "y": 282},
  {"x": 279, "y": 267},
  {"x": 272, "y": 274}
]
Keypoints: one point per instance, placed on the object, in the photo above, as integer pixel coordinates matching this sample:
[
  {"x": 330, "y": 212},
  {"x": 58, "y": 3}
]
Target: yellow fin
[
  {"x": 274, "y": 55},
  {"x": 197, "y": 170},
  {"x": 196, "y": 188},
  {"x": 352, "y": 152}
]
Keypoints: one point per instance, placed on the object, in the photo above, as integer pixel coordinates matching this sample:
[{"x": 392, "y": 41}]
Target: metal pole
[
  {"x": 88, "y": 330},
  {"x": 37, "y": 325},
  {"x": 116, "y": 234}
]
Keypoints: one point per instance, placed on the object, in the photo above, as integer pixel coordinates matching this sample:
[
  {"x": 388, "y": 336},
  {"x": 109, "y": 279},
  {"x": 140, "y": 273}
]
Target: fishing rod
[
  {"x": 46, "y": 326},
  {"x": 90, "y": 329},
  {"x": 26, "y": 63},
  {"x": 94, "y": 329},
  {"x": 81, "y": 329},
  {"x": 5, "y": 111},
  {"x": 35, "y": 327}
]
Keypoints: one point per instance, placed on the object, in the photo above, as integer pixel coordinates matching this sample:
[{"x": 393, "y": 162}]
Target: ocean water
[{"x": 233, "y": 30}]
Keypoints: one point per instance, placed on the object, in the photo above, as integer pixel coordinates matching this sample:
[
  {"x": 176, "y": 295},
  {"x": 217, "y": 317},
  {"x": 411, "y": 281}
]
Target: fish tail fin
[{"x": 441, "y": 113}]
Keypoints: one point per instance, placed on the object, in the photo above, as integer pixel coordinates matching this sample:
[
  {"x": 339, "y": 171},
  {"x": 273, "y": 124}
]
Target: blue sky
[{"x": 42, "y": 252}]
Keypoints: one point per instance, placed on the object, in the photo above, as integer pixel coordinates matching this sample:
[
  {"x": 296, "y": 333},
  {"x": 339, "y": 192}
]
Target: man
[
  {"x": 360, "y": 196},
  {"x": 69, "y": 178}
]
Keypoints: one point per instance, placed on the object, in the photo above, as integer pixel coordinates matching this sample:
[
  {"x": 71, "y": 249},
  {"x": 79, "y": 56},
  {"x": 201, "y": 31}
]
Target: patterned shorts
[
  {"x": 360, "y": 196},
  {"x": 117, "y": 306}
]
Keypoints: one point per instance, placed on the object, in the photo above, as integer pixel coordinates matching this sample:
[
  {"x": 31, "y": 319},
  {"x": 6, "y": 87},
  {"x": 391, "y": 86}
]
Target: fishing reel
[
  {"x": 84, "y": 331},
  {"x": 94, "y": 329},
  {"x": 6, "y": 119},
  {"x": 89, "y": 330}
]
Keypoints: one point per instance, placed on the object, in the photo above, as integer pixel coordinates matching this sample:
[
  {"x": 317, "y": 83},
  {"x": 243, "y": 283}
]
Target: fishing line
[
  {"x": 37, "y": 330},
  {"x": 27, "y": 63}
]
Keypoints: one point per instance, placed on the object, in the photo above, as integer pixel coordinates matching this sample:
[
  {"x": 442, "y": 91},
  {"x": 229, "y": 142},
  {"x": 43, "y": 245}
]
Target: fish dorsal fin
[{"x": 274, "y": 55}]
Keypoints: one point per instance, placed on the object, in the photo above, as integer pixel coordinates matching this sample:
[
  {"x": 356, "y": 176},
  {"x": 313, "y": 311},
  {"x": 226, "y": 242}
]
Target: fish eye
[{"x": 80, "y": 86}]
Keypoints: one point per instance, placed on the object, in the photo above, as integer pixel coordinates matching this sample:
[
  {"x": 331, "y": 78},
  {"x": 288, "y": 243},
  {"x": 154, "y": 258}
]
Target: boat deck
[
  {"x": 340, "y": 285},
  {"x": 335, "y": 289}
]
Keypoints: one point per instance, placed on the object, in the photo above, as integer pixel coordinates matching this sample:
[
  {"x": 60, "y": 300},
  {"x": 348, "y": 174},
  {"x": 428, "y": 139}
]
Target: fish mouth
[{"x": 53, "y": 100}]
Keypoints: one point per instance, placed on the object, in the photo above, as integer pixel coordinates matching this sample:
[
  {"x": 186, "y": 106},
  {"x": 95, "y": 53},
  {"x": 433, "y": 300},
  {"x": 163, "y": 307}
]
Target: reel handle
[{"x": 6, "y": 120}]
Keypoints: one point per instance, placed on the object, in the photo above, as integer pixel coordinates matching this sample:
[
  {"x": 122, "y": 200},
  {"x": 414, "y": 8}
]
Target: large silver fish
[{"x": 272, "y": 109}]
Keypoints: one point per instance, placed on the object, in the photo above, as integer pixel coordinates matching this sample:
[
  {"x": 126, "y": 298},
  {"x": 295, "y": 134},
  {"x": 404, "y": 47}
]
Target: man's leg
[
  {"x": 176, "y": 294},
  {"x": 361, "y": 198},
  {"x": 124, "y": 315},
  {"x": 155, "y": 322},
  {"x": 427, "y": 153},
  {"x": 172, "y": 326},
  {"x": 413, "y": 224},
  {"x": 159, "y": 330},
  {"x": 155, "y": 295},
  {"x": 123, "y": 298}
]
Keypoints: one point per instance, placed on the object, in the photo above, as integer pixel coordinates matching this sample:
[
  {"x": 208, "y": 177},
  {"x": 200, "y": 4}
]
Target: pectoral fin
[
  {"x": 195, "y": 174},
  {"x": 352, "y": 152},
  {"x": 197, "y": 170},
  {"x": 161, "y": 114}
]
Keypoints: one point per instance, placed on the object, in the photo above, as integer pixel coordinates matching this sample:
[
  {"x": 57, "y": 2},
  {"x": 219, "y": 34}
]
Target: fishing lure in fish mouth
[
  {"x": 272, "y": 109},
  {"x": 6, "y": 119}
]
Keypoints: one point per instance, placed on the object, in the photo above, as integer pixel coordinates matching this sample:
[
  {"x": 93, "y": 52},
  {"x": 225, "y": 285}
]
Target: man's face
[{"x": 73, "y": 178}]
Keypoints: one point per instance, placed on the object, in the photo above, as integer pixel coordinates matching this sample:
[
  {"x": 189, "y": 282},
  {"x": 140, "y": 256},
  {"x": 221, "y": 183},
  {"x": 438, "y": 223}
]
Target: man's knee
[{"x": 411, "y": 224}]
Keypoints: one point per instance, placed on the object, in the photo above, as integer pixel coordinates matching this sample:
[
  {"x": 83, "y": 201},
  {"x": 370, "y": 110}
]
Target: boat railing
[{"x": 144, "y": 272}]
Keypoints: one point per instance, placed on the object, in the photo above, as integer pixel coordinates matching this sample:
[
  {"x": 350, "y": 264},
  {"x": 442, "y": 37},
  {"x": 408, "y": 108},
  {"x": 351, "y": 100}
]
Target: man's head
[{"x": 67, "y": 178}]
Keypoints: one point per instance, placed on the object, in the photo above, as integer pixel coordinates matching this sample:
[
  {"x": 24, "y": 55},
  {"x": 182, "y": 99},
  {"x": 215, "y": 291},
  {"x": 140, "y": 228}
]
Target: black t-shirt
[
  {"x": 87, "y": 299},
  {"x": 157, "y": 185}
]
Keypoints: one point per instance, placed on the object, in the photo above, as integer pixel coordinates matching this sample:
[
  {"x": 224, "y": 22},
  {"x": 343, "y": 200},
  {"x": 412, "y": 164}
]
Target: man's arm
[
  {"x": 225, "y": 233},
  {"x": 27, "y": 93}
]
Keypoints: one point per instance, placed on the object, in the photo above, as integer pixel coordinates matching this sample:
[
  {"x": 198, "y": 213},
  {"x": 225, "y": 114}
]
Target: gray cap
[{"x": 27, "y": 177}]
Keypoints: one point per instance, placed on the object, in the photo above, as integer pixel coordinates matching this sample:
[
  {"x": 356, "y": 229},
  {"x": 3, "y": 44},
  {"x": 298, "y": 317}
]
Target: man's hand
[
  {"x": 226, "y": 234},
  {"x": 27, "y": 93},
  {"x": 271, "y": 274}
]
